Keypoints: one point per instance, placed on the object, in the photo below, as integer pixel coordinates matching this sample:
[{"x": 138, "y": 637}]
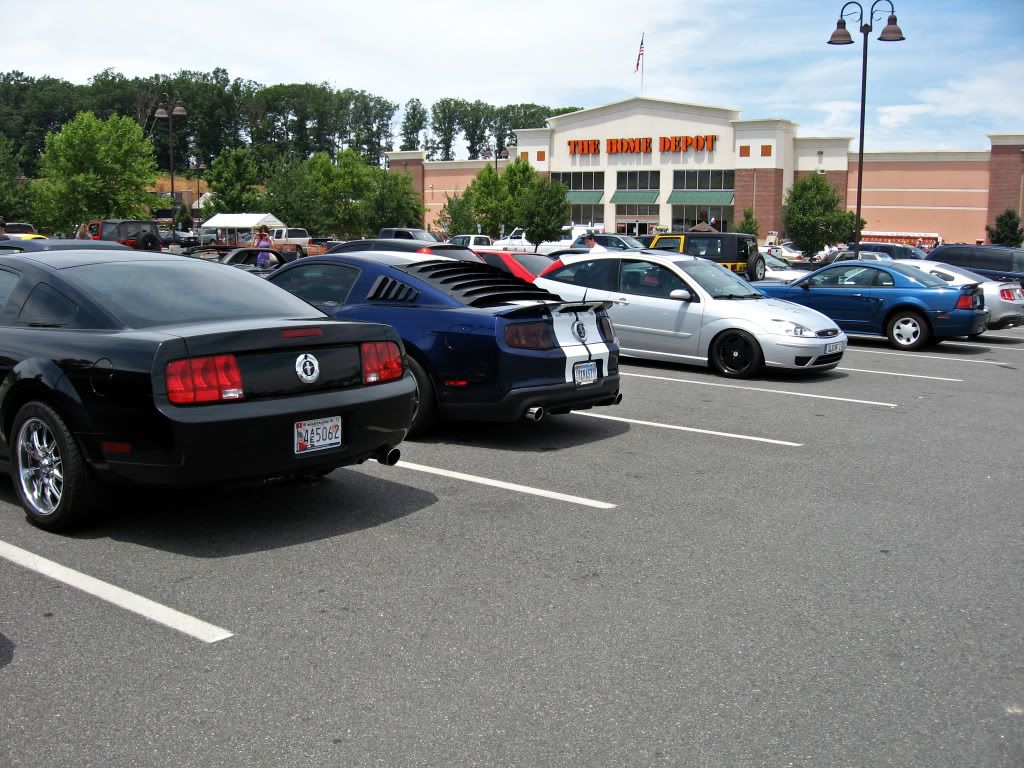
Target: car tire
[
  {"x": 425, "y": 411},
  {"x": 149, "y": 242},
  {"x": 907, "y": 329},
  {"x": 755, "y": 268},
  {"x": 48, "y": 470},
  {"x": 736, "y": 354},
  {"x": 299, "y": 253}
]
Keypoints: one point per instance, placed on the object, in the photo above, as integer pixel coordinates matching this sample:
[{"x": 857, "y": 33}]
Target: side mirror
[
  {"x": 680, "y": 294},
  {"x": 806, "y": 285}
]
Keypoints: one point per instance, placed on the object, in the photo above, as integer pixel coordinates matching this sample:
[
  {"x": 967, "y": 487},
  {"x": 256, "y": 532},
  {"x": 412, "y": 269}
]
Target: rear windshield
[
  {"x": 150, "y": 293},
  {"x": 534, "y": 263},
  {"x": 924, "y": 278}
]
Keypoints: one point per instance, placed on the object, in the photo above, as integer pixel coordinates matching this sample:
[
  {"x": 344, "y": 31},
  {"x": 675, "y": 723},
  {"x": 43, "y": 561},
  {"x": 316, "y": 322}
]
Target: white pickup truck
[
  {"x": 516, "y": 241},
  {"x": 291, "y": 239}
]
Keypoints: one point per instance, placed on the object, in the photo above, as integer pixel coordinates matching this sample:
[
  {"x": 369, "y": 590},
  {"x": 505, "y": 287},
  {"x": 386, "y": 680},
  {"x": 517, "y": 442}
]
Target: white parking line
[
  {"x": 507, "y": 486},
  {"x": 122, "y": 598},
  {"x": 905, "y": 375},
  {"x": 925, "y": 357},
  {"x": 759, "y": 389},
  {"x": 687, "y": 429}
]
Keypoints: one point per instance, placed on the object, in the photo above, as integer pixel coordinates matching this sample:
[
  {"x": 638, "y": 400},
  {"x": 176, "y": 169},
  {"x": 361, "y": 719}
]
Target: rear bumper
[
  {"x": 1009, "y": 320},
  {"x": 253, "y": 441},
  {"x": 555, "y": 398},
  {"x": 960, "y": 323}
]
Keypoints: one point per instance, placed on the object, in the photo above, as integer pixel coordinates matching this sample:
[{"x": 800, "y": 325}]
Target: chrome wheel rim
[
  {"x": 735, "y": 353},
  {"x": 906, "y": 331},
  {"x": 759, "y": 270},
  {"x": 40, "y": 467}
]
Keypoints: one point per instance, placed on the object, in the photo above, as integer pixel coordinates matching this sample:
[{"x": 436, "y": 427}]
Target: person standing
[
  {"x": 591, "y": 242},
  {"x": 265, "y": 243},
  {"x": 3, "y": 230}
]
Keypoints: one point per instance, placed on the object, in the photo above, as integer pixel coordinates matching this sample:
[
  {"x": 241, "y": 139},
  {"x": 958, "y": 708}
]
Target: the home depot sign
[{"x": 643, "y": 145}]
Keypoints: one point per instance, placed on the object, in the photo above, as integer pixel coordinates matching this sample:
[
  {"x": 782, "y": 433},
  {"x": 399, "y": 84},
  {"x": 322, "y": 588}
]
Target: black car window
[
  {"x": 642, "y": 278},
  {"x": 534, "y": 263},
  {"x": 602, "y": 274},
  {"x": 883, "y": 279},
  {"x": 319, "y": 284},
  {"x": 47, "y": 307},
  {"x": 705, "y": 247},
  {"x": 668, "y": 244},
  {"x": 495, "y": 261},
  {"x": 1018, "y": 260},
  {"x": 8, "y": 280},
  {"x": 959, "y": 256},
  {"x": 144, "y": 294},
  {"x": 851, "y": 276}
]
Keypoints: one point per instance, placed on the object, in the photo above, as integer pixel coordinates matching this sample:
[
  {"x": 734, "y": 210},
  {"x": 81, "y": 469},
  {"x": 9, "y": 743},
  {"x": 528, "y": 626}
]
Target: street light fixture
[
  {"x": 841, "y": 36},
  {"x": 161, "y": 112}
]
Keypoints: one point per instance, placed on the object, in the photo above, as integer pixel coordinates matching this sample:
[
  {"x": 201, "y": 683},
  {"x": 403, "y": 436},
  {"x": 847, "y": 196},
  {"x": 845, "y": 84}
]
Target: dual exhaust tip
[
  {"x": 537, "y": 412},
  {"x": 388, "y": 456}
]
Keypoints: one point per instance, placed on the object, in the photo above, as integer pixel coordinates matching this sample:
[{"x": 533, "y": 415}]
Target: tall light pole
[
  {"x": 841, "y": 36},
  {"x": 161, "y": 112}
]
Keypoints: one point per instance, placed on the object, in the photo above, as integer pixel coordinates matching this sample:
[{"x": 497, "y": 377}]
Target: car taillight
[
  {"x": 129, "y": 243},
  {"x": 425, "y": 249},
  {"x": 1007, "y": 294},
  {"x": 966, "y": 301},
  {"x": 556, "y": 264},
  {"x": 382, "y": 361},
  {"x": 204, "y": 380},
  {"x": 529, "y": 335},
  {"x": 604, "y": 324}
]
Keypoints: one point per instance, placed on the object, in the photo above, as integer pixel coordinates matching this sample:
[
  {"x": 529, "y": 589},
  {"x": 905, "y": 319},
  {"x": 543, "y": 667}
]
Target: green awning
[
  {"x": 584, "y": 197},
  {"x": 701, "y": 197},
  {"x": 636, "y": 196}
]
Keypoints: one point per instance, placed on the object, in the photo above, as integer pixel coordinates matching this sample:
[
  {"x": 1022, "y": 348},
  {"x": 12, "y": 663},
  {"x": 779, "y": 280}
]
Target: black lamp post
[
  {"x": 161, "y": 112},
  {"x": 841, "y": 36}
]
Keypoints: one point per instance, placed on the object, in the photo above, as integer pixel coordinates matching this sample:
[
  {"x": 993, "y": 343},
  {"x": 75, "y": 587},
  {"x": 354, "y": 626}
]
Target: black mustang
[{"x": 151, "y": 369}]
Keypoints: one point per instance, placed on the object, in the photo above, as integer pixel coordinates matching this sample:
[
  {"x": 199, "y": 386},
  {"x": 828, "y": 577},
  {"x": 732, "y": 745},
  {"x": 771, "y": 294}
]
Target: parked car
[
  {"x": 895, "y": 250},
  {"x": 19, "y": 228},
  {"x": 851, "y": 256},
  {"x": 482, "y": 344},
  {"x": 646, "y": 240},
  {"x": 406, "y": 233},
  {"x": 410, "y": 246},
  {"x": 470, "y": 241},
  {"x": 789, "y": 254},
  {"x": 1003, "y": 299},
  {"x": 291, "y": 239},
  {"x": 160, "y": 370},
  {"x": 685, "y": 309},
  {"x": 611, "y": 242},
  {"x": 884, "y": 298},
  {"x": 248, "y": 259},
  {"x": 525, "y": 266},
  {"x": 178, "y": 237},
  {"x": 140, "y": 234},
  {"x": 996, "y": 262},
  {"x": 735, "y": 251},
  {"x": 777, "y": 269},
  {"x": 36, "y": 245}
]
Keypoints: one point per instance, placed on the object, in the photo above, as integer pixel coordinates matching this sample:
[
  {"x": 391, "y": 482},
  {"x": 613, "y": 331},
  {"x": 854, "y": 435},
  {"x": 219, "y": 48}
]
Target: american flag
[{"x": 640, "y": 55}]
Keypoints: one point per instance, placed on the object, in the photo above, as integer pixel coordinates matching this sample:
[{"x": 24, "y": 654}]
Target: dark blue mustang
[
  {"x": 907, "y": 305},
  {"x": 481, "y": 343}
]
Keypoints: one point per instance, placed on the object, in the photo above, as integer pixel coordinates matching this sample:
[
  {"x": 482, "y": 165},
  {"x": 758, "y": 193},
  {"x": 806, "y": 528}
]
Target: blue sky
[{"x": 958, "y": 76}]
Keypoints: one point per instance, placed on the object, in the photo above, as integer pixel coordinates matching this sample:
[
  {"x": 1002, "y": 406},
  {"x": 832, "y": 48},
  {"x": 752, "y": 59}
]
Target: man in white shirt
[{"x": 591, "y": 242}]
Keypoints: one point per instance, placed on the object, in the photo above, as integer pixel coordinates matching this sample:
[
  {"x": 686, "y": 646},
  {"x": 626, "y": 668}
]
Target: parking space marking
[
  {"x": 905, "y": 375},
  {"x": 925, "y": 357},
  {"x": 687, "y": 429},
  {"x": 507, "y": 486},
  {"x": 122, "y": 598},
  {"x": 760, "y": 389}
]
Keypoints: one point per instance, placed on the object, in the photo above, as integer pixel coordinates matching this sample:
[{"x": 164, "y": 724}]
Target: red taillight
[
  {"x": 204, "y": 380},
  {"x": 556, "y": 264},
  {"x": 604, "y": 324},
  {"x": 300, "y": 333},
  {"x": 1006, "y": 294},
  {"x": 382, "y": 361},
  {"x": 966, "y": 301},
  {"x": 529, "y": 336},
  {"x": 424, "y": 249}
]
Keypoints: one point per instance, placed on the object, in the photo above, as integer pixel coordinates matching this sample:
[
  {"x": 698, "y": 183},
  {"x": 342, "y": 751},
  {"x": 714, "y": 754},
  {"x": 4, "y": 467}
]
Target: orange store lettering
[{"x": 643, "y": 145}]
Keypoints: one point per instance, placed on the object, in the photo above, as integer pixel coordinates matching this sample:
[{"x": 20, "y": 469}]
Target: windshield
[
  {"x": 959, "y": 271},
  {"x": 150, "y": 293},
  {"x": 717, "y": 280},
  {"x": 918, "y": 253}
]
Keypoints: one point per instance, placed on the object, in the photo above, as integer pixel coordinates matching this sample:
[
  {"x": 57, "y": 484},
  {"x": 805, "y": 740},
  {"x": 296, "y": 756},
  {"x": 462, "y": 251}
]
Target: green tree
[
  {"x": 1007, "y": 230},
  {"x": 491, "y": 203},
  {"x": 350, "y": 186},
  {"x": 456, "y": 216},
  {"x": 391, "y": 201},
  {"x": 94, "y": 168},
  {"x": 232, "y": 178},
  {"x": 543, "y": 209},
  {"x": 15, "y": 193},
  {"x": 748, "y": 224},
  {"x": 444, "y": 125},
  {"x": 474, "y": 120},
  {"x": 414, "y": 122},
  {"x": 813, "y": 215},
  {"x": 517, "y": 176}
]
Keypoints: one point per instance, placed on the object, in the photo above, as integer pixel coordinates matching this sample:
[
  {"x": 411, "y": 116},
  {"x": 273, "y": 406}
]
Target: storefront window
[
  {"x": 636, "y": 210},
  {"x": 638, "y": 180},
  {"x": 703, "y": 179},
  {"x": 587, "y": 214},
  {"x": 686, "y": 216},
  {"x": 580, "y": 180}
]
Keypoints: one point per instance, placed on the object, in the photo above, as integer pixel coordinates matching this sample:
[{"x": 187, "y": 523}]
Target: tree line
[{"x": 296, "y": 120}]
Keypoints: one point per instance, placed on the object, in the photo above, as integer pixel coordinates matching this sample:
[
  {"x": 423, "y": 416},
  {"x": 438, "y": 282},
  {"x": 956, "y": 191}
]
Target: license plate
[
  {"x": 317, "y": 434},
  {"x": 835, "y": 347},
  {"x": 585, "y": 373}
]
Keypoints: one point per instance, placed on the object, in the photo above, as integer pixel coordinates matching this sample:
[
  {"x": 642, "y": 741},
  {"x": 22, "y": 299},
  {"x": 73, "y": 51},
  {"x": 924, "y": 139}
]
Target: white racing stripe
[
  {"x": 122, "y": 598},
  {"x": 575, "y": 351},
  {"x": 687, "y": 429},
  {"x": 507, "y": 486},
  {"x": 924, "y": 357},
  {"x": 905, "y": 375},
  {"x": 759, "y": 389}
]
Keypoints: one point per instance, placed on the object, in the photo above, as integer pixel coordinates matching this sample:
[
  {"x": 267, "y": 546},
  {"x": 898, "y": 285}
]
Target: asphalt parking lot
[{"x": 798, "y": 571}]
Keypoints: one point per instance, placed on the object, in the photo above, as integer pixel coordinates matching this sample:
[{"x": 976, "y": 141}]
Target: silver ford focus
[{"x": 689, "y": 310}]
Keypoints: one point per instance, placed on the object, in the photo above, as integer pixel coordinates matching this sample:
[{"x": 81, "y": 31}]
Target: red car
[{"x": 525, "y": 266}]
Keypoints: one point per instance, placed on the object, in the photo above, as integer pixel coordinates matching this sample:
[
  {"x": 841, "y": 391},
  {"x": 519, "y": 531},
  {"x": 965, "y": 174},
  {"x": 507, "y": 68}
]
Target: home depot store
[{"x": 641, "y": 163}]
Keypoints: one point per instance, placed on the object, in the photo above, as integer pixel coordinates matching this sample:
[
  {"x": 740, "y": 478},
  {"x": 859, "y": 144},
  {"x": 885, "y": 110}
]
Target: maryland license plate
[
  {"x": 585, "y": 373},
  {"x": 317, "y": 434},
  {"x": 834, "y": 347}
]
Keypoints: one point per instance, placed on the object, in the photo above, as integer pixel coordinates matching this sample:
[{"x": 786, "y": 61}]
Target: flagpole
[{"x": 641, "y": 75}]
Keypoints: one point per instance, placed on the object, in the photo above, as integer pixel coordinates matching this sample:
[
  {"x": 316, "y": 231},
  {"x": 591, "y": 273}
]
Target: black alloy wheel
[{"x": 736, "y": 354}]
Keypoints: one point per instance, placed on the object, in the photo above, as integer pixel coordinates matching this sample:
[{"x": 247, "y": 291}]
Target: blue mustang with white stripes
[{"x": 481, "y": 344}]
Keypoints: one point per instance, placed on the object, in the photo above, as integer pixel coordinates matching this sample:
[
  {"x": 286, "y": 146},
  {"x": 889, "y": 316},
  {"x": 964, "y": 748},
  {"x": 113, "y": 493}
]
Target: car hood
[{"x": 765, "y": 311}]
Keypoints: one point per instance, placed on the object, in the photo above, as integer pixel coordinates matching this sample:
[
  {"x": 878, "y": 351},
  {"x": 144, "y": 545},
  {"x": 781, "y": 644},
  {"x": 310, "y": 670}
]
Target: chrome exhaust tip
[
  {"x": 535, "y": 414},
  {"x": 388, "y": 456}
]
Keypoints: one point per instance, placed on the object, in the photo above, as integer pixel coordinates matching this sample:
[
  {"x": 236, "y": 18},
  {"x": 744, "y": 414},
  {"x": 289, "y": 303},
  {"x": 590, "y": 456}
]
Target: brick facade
[
  {"x": 760, "y": 189},
  {"x": 1006, "y": 171},
  {"x": 416, "y": 171}
]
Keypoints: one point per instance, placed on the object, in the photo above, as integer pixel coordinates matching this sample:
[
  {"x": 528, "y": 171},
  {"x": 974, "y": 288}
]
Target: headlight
[{"x": 794, "y": 329}]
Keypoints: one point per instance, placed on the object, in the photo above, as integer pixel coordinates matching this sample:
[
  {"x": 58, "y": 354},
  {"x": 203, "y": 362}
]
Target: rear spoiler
[{"x": 556, "y": 307}]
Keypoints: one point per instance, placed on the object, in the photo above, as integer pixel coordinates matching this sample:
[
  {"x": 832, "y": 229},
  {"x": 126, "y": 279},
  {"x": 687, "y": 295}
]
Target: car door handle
[{"x": 622, "y": 300}]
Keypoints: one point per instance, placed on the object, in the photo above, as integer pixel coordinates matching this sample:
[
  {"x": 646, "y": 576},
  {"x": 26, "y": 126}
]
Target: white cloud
[{"x": 902, "y": 114}]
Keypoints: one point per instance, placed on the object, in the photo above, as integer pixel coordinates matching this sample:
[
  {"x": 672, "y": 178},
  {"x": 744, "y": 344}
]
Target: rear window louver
[
  {"x": 388, "y": 289},
  {"x": 477, "y": 285}
]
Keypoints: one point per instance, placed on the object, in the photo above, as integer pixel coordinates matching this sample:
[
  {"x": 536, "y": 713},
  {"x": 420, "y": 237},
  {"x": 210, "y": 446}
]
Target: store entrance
[{"x": 634, "y": 228}]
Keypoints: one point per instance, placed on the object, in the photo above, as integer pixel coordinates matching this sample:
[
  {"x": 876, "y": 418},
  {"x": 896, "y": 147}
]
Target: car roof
[
  {"x": 66, "y": 259},
  {"x": 648, "y": 254},
  {"x": 56, "y": 244},
  {"x": 390, "y": 258}
]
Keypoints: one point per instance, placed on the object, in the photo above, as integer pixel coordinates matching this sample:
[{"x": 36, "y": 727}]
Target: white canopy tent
[{"x": 242, "y": 221}]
